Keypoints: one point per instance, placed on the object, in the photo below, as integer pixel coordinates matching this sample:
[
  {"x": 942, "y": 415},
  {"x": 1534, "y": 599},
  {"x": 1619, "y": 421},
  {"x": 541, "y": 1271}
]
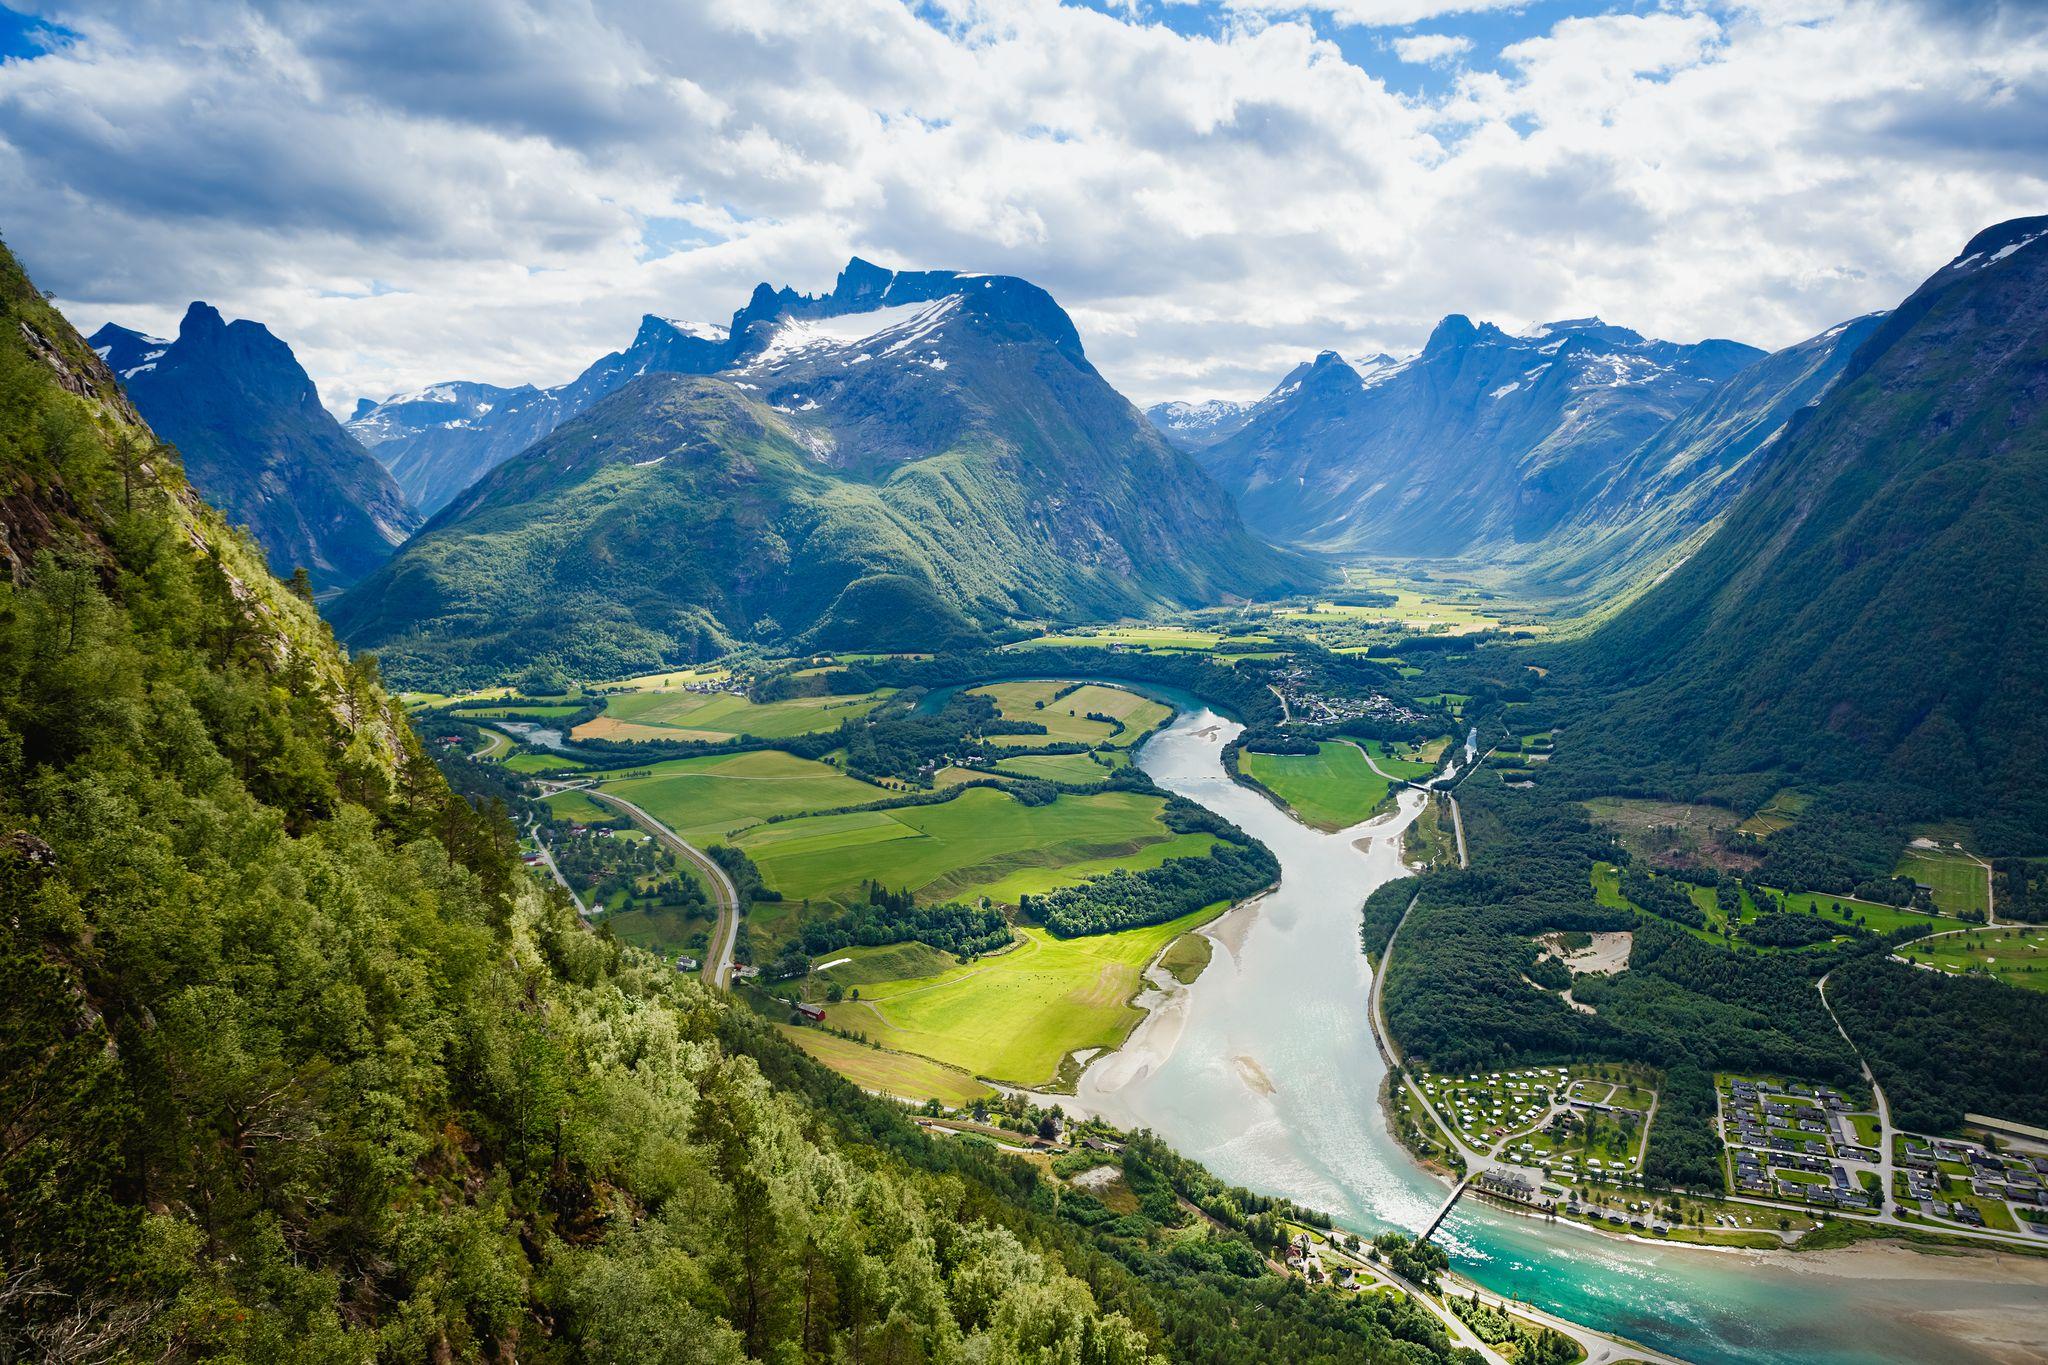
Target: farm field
[
  {"x": 1961, "y": 883},
  {"x": 577, "y": 806},
  {"x": 984, "y": 842},
  {"x": 677, "y": 714},
  {"x": 1066, "y": 718},
  {"x": 893, "y": 1073},
  {"x": 1014, "y": 1016},
  {"x": 1412, "y": 761},
  {"x": 526, "y": 711},
  {"x": 534, "y": 762},
  {"x": 1135, "y": 637},
  {"x": 2016, "y": 956},
  {"x": 706, "y": 800},
  {"x": 1077, "y": 768},
  {"x": 1330, "y": 789}
]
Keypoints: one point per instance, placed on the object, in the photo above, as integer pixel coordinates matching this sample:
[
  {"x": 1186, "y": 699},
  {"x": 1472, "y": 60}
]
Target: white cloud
[
  {"x": 1430, "y": 49},
  {"x": 478, "y": 188},
  {"x": 1375, "y": 13}
]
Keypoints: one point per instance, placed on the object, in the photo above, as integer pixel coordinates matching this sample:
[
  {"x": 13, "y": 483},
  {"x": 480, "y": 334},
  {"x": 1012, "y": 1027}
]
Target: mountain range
[
  {"x": 259, "y": 446},
  {"x": 1481, "y": 440},
  {"x": 909, "y": 459},
  {"x": 440, "y": 439}
]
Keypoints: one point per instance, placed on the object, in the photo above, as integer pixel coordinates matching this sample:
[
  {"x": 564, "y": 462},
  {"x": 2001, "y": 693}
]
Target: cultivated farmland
[{"x": 1329, "y": 789}]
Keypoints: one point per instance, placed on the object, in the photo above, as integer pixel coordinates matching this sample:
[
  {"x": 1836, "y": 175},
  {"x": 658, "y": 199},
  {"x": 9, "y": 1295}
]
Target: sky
[{"x": 412, "y": 192}]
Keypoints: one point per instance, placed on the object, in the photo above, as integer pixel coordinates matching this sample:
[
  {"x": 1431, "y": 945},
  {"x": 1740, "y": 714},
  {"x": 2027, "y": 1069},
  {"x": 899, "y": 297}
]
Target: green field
[
  {"x": 537, "y": 762},
  {"x": 1330, "y": 789},
  {"x": 1879, "y": 919},
  {"x": 674, "y": 713},
  {"x": 1072, "y": 768},
  {"x": 577, "y": 806},
  {"x": 892, "y": 1073},
  {"x": 706, "y": 800},
  {"x": 2016, "y": 956},
  {"x": 984, "y": 842},
  {"x": 1961, "y": 883},
  {"x": 1066, "y": 718},
  {"x": 1781, "y": 811},
  {"x": 1841, "y": 911},
  {"x": 1014, "y": 1016},
  {"x": 1412, "y": 761},
  {"x": 1134, "y": 637}
]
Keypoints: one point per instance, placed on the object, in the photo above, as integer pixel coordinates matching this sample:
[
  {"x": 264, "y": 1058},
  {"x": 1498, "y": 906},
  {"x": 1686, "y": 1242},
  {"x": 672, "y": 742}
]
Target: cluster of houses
[
  {"x": 2018, "y": 1180},
  {"x": 1636, "y": 1217},
  {"x": 1773, "y": 1130},
  {"x": 1307, "y": 707}
]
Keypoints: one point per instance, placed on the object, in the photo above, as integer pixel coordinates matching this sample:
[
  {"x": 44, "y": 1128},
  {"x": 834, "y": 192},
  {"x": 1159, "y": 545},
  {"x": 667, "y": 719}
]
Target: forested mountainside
[
  {"x": 910, "y": 474},
  {"x": 248, "y": 423},
  {"x": 298, "y": 1065},
  {"x": 1481, "y": 441},
  {"x": 1869, "y": 609},
  {"x": 441, "y": 439}
]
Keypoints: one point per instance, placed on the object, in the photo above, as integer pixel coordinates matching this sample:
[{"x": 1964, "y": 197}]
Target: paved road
[
  {"x": 718, "y": 957},
  {"x": 547, "y": 856}
]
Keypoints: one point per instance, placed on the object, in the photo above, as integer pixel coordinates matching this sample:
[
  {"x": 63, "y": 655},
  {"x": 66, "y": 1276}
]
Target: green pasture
[
  {"x": 1960, "y": 882},
  {"x": 1014, "y": 1016},
  {"x": 2017, "y": 956},
  {"x": 1072, "y": 768},
  {"x": 983, "y": 842},
  {"x": 707, "y": 800},
  {"x": 1329, "y": 789},
  {"x": 893, "y": 1073},
  {"x": 698, "y": 715},
  {"x": 535, "y": 761},
  {"x": 1412, "y": 761},
  {"x": 1066, "y": 718}
]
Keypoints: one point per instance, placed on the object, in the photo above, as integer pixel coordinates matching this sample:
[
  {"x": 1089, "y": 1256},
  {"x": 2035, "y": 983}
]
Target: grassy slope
[
  {"x": 709, "y": 799},
  {"x": 717, "y": 714},
  {"x": 1067, "y": 718},
  {"x": 1015, "y": 1015}
]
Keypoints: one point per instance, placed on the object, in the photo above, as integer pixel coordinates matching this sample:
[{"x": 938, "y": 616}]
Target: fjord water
[{"x": 1272, "y": 1081}]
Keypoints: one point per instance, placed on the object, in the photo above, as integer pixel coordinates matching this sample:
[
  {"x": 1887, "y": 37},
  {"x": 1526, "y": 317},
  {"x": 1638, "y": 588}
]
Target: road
[
  {"x": 547, "y": 856},
  {"x": 1457, "y": 816},
  {"x": 718, "y": 956}
]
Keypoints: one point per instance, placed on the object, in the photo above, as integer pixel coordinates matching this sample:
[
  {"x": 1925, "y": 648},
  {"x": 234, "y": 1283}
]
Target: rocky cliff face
[{"x": 258, "y": 445}]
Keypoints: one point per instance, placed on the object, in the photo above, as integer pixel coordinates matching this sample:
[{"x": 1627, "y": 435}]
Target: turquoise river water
[{"x": 1265, "y": 1070}]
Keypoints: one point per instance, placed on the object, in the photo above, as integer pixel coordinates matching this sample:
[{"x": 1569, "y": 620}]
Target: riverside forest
[{"x": 1109, "y": 806}]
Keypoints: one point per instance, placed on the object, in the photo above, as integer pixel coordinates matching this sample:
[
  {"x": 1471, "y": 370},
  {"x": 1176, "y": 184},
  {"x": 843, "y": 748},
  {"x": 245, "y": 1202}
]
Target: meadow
[
  {"x": 900, "y": 1074},
  {"x": 664, "y": 713},
  {"x": 1015, "y": 1016},
  {"x": 1065, "y": 718},
  {"x": 983, "y": 842},
  {"x": 1960, "y": 882},
  {"x": 1330, "y": 789},
  {"x": 1132, "y": 637},
  {"x": 707, "y": 800},
  {"x": 1412, "y": 761},
  {"x": 2016, "y": 956},
  {"x": 1071, "y": 768}
]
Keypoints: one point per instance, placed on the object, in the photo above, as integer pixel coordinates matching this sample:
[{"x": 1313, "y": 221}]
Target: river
[{"x": 1265, "y": 1071}]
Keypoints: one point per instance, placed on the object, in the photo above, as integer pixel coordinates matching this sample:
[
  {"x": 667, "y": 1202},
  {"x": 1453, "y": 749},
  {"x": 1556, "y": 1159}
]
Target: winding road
[{"x": 718, "y": 956}]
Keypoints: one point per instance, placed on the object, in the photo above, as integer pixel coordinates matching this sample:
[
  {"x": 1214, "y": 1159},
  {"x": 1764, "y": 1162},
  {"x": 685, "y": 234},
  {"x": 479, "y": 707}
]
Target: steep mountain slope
[
  {"x": 439, "y": 440},
  {"x": 1196, "y": 426},
  {"x": 257, "y": 443},
  {"x": 1870, "y": 608},
  {"x": 1667, "y": 493},
  {"x": 1481, "y": 440},
  {"x": 912, "y": 460}
]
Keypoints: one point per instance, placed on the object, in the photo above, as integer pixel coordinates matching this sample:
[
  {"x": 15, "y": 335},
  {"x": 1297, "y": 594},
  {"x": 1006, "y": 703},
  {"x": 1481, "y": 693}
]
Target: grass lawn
[
  {"x": 1959, "y": 883},
  {"x": 672, "y": 713},
  {"x": 1075, "y": 768},
  {"x": 1868, "y": 1132},
  {"x": 1014, "y": 1016},
  {"x": 892, "y": 1073},
  {"x": 580, "y": 808},
  {"x": 534, "y": 762},
  {"x": 1412, "y": 761},
  {"x": 1066, "y": 718},
  {"x": 984, "y": 842},
  {"x": 706, "y": 800},
  {"x": 1136, "y": 637},
  {"x": 861, "y": 966},
  {"x": 1330, "y": 789},
  {"x": 1879, "y": 919},
  {"x": 2016, "y": 956}
]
